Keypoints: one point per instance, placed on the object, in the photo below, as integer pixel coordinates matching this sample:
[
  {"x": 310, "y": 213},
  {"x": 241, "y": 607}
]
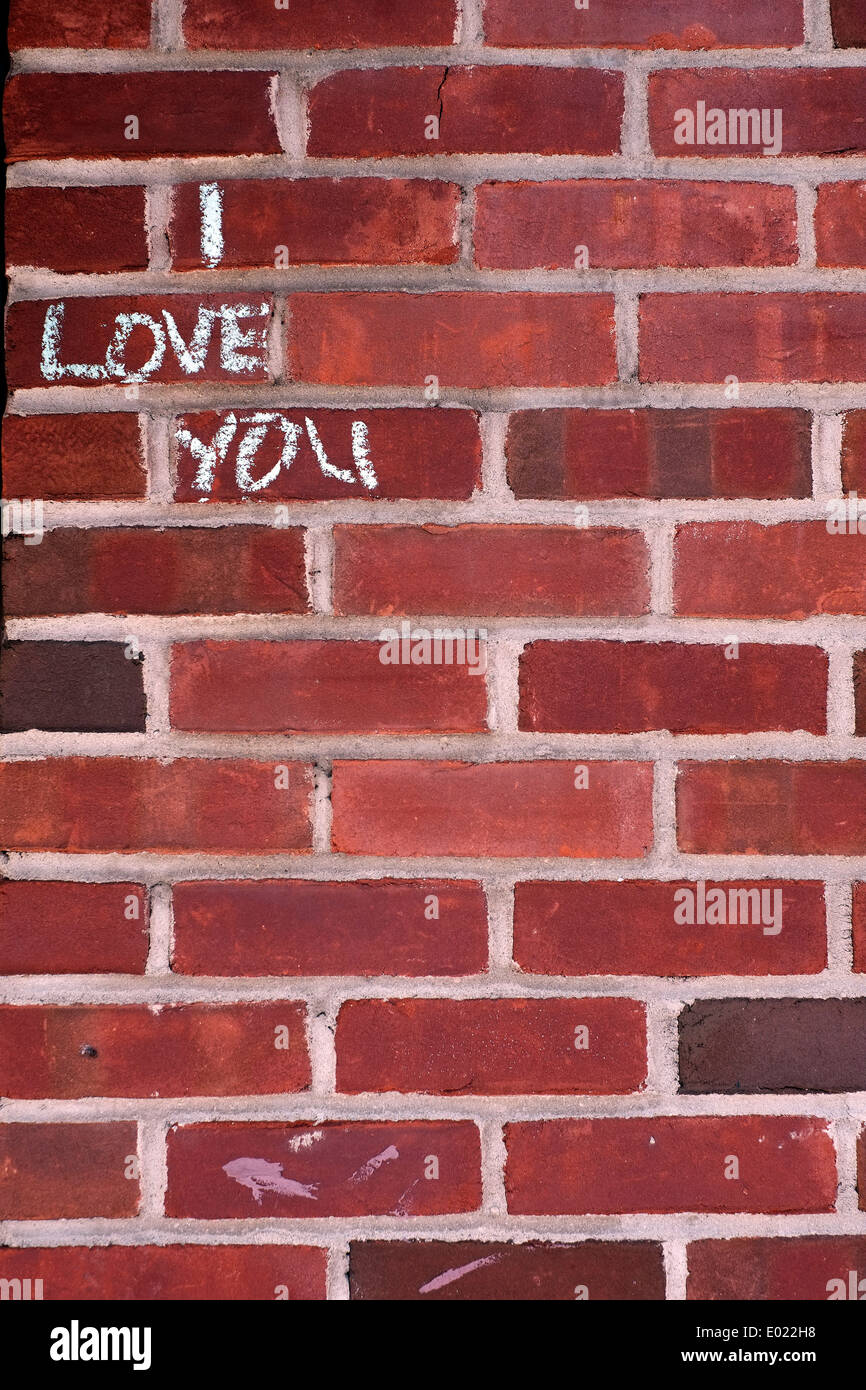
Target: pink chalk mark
[
  {"x": 369, "y": 1168},
  {"x": 260, "y": 1175},
  {"x": 452, "y": 1275}
]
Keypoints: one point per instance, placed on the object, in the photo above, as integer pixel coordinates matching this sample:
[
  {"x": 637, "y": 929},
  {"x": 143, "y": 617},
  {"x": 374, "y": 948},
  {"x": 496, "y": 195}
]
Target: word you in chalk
[{"x": 254, "y": 429}]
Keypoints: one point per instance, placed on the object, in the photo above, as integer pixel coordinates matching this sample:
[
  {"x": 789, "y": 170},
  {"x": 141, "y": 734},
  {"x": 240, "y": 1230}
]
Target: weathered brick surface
[
  {"x": 433, "y": 664},
  {"x": 491, "y": 1046},
  {"x": 171, "y": 1050},
  {"x": 297, "y": 927},
  {"x": 67, "y": 457},
  {"x": 334, "y": 1169},
  {"x": 668, "y": 1164},
  {"x": 53, "y": 1172},
  {"x": 147, "y": 1273},
  {"x": 659, "y": 453},
  {"x": 473, "y": 1271},
  {"x": 634, "y": 928}
]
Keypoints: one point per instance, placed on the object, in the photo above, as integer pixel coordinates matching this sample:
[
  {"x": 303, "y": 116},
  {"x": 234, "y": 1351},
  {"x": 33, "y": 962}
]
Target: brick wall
[{"x": 535, "y": 975}]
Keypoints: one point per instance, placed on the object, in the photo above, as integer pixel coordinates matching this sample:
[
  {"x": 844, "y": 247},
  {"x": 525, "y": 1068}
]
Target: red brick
[
  {"x": 84, "y": 24},
  {"x": 636, "y": 687},
  {"x": 628, "y": 928},
  {"x": 71, "y": 457},
  {"x": 859, "y": 919},
  {"x": 157, "y": 1050},
  {"x": 861, "y": 1168},
  {"x": 660, "y": 453},
  {"x": 72, "y": 928},
  {"x": 147, "y": 1273},
  {"x": 465, "y": 338},
  {"x": 482, "y": 110},
  {"x": 634, "y": 224},
  {"x": 860, "y": 693},
  {"x": 488, "y": 1271},
  {"x": 849, "y": 23},
  {"x": 670, "y": 1163},
  {"x": 76, "y": 230},
  {"x": 854, "y": 451},
  {"x": 840, "y": 224},
  {"x": 496, "y": 809},
  {"x": 320, "y": 687},
  {"x": 500, "y": 1047},
  {"x": 117, "y": 805},
  {"x": 687, "y": 24},
  {"x": 305, "y": 927},
  {"x": 60, "y": 1172},
  {"x": 501, "y": 571},
  {"x": 90, "y": 348},
  {"x": 247, "y": 569},
  {"x": 754, "y": 337},
  {"x": 822, "y": 108},
  {"x": 366, "y": 1168},
  {"x": 772, "y": 807},
  {"x": 244, "y": 24},
  {"x": 322, "y": 222},
  {"x": 807, "y": 1267},
  {"x": 742, "y": 569},
  {"x": 414, "y": 453},
  {"x": 51, "y": 115}
]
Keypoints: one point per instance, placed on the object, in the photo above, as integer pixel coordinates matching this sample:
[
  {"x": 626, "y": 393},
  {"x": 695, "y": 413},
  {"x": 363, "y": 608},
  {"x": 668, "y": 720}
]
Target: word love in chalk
[
  {"x": 210, "y": 456},
  {"x": 242, "y": 346}
]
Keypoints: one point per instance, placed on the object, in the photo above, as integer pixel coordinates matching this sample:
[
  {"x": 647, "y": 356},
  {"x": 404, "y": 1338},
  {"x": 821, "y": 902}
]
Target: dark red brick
[
  {"x": 88, "y": 687},
  {"x": 158, "y": 1050},
  {"x": 248, "y": 569},
  {"x": 635, "y": 687},
  {"x": 498, "y": 1271},
  {"x": 639, "y": 223},
  {"x": 77, "y": 342},
  {"x": 320, "y": 687},
  {"x": 243, "y": 24},
  {"x": 482, "y": 110},
  {"x": 57, "y": 1172},
  {"x": 76, "y": 230},
  {"x": 464, "y": 338},
  {"x": 304, "y": 927},
  {"x": 745, "y": 570},
  {"x": 117, "y": 805},
  {"x": 728, "y": 1046},
  {"x": 53, "y": 115},
  {"x": 83, "y": 24},
  {"x": 660, "y": 453},
  {"x": 68, "y": 457},
  {"x": 754, "y": 337},
  {"x": 147, "y": 1273},
  {"x": 849, "y": 23},
  {"x": 685, "y": 24},
  {"x": 492, "y": 1046},
  {"x": 840, "y": 224},
  {"x": 49, "y": 928},
  {"x": 500, "y": 571},
  {"x": 822, "y": 108},
  {"x": 854, "y": 454},
  {"x": 669, "y": 1164},
  {"x": 772, "y": 807},
  {"x": 629, "y": 928},
  {"x": 322, "y": 222},
  {"x": 807, "y": 1267},
  {"x": 365, "y": 1168},
  {"x": 414, "y": 453}
]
